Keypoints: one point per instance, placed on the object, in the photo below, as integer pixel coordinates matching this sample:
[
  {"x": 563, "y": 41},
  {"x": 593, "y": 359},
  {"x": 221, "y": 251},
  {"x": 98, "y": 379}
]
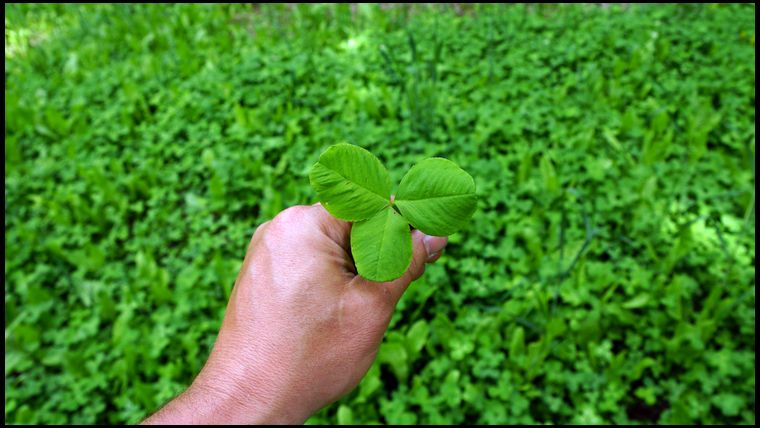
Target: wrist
[
  {"x": 228, "y": 403},
  {"x": 231, "y": 400}
]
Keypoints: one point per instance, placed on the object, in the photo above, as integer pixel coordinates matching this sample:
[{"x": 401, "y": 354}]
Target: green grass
[{"x": 607, "y": 275}]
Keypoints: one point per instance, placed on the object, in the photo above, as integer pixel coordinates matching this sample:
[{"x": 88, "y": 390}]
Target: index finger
[{"x": 337, "y": 230}]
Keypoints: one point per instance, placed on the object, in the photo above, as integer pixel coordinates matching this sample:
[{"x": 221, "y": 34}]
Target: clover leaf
[
  {"x": 351, "y": 183},
  {"x": 435, "y": 196},
  {"x": 382, "y": 246}
]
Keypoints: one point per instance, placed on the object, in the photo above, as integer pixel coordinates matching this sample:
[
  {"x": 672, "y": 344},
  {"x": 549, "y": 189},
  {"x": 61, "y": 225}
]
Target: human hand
[{"x": 301, "y": 328}]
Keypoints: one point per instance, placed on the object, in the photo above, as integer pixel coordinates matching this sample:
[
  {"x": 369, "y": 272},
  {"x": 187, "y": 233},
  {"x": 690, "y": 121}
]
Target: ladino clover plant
[{"x": 435, "y": 196}]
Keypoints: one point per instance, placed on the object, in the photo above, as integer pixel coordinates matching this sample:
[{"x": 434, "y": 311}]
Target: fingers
[
  {"x": 425, "y": 249},
  {"x": 335, "y": 229}
]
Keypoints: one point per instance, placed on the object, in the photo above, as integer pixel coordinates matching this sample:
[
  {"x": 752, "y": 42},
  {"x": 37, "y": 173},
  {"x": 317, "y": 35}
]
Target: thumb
[{"x": 425, "y": 249}]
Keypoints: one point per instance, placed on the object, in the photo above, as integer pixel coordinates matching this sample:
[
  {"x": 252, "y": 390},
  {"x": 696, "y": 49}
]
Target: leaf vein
[
  {"x": 356, "y": 183},
  {"x": 435, "y": 197}
]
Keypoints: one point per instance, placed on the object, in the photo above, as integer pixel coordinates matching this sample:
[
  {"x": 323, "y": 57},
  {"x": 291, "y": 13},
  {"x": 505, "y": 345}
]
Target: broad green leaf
[
  {"x": 437, "y": 197},
  {"x": 351, "y": 182},
  {"x": 382, "y": 246},
  {"x": 517, "y": 344},
  {"x": 551, "y": 183},
  {"x": 394, "y": 354},
  {"x": 345, "y": 415},
  {"x": 637, "y": 302},
  {"x": 417, "y": 336}
]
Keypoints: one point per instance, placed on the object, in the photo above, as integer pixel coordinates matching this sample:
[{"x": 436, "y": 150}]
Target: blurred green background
[{"x": 607, "y": 275}]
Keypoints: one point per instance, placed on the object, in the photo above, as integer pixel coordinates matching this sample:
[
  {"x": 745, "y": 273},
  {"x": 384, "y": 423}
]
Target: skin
[{"x": 301, "y": 328}]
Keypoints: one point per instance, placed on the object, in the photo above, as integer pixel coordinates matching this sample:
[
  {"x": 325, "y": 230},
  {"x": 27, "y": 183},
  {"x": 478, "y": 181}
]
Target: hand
[{"x": 301, "y": 328}]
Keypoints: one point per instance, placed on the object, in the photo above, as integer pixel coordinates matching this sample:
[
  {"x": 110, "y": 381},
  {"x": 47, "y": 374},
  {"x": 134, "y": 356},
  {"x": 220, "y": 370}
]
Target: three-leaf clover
[{"x": 435, "y": 196}]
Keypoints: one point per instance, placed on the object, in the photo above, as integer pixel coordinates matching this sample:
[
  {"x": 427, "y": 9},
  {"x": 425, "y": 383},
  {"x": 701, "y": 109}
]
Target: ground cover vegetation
[{"x": 607, "y": 273}]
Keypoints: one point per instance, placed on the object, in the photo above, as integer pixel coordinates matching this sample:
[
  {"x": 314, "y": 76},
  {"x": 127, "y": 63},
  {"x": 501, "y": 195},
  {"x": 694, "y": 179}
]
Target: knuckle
[
  {"x": 289, "y": 215},
  {"x": 258, "y": 234},
  {"x": 260, "y": 229}
]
